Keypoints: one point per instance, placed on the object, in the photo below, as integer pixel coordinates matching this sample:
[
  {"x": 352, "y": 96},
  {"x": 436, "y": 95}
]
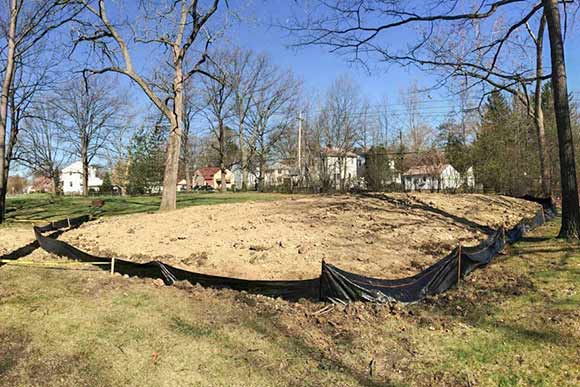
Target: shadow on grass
[
  {"x": 41, "y": 208},
  {"x": 535, "y": 239},
  {"x": 273, "y": 331}
]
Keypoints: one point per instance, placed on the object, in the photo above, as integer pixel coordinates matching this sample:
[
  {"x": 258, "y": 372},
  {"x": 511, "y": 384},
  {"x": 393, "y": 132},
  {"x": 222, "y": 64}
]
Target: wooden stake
[
  {"x": 112, "y": 265},
  {"x": 458, "y": 262}
]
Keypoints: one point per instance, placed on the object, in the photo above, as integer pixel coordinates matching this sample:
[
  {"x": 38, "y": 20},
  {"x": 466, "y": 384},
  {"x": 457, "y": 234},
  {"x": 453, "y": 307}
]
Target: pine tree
[
  {"x": 107, "y": 185},
  {"x": 146, "y": 161},
  {"x": 377, "y": 169}
]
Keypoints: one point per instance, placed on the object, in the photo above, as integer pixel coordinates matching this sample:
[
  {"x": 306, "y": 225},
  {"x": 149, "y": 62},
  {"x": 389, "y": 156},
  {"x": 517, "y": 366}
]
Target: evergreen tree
[
  {"x": 492, "y": 145},
  {"x": 107, "y": 186},
  {"x": 377, "y": 170},
  {"x": 457, "y": 152},
  {"x": 146, "y": 162}
]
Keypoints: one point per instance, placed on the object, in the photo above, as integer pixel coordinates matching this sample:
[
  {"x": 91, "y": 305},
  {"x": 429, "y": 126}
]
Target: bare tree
[
  {"x": 219, "y": 110},
  {"x": 191, "y": 108},
  {"x": 272, "y": 114},
  {"x": 341, "y": 121},
  {"x": 172, "y": 30},
  {"x": 538, "y": 115},
  {"x": 116, "y": 151},
  {"x": 357, "y": 28},
  {"x": 570, "y": 206},
  {"x": 27, "y": 23},
  {"x": 39, "y": 147},
  {"x": 89, "y": 115},
  {"x": 384, "y": 123},
  {"x": 245, "y": 72},
  {"x": 418, "y": 132}
]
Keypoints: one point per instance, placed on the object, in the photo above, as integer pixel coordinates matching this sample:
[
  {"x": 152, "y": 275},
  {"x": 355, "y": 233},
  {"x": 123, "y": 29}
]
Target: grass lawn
[
  {"x": 513, "y": 323},
  {"x": 45, "y": 207}
]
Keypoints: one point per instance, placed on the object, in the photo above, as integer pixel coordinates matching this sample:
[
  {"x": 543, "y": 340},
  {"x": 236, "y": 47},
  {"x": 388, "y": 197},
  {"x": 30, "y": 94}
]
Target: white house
[
  {"x": 182, "y": 185},
  {"x": 71, "y": 179},
  {"x": 277, "y": 174},
  {"x": 238, "y": 178},
  {"x": 432, "y": 178},
  {"x": 339, "y": 166}
]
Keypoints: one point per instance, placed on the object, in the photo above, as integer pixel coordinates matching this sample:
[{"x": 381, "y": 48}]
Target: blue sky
[
  {"x": 315, "y": 65},
  {"x": 318, "y": 68}
]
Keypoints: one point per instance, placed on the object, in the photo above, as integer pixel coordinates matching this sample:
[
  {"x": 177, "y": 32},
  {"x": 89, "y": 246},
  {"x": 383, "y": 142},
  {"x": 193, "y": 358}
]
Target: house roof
[
  {"x": 421, "y": 170},
  {"x": 278, "y": 165},
  {"x": 337, "y": 152},
  {"x": 207, "y": 172},
  {"x": 77, "y": 166}
]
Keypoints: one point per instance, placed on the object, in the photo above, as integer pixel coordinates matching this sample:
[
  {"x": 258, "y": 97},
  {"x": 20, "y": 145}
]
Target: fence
[{"x": 333, "y": 284}]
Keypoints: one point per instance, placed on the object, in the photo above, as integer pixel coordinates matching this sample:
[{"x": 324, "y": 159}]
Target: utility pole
[{"x": 300, "y": 145}]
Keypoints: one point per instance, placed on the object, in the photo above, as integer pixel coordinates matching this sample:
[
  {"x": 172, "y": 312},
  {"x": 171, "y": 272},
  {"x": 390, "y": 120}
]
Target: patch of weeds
[
  {"x": 196, "y": 330},
  {"x": 508, "y": 380},
  {"x": 520, "y": 335},
  {"x": 77, "y": 369},
  {"x": 12, "y": 348},
  {"x": 29, "y": 299},
  {"x": 135, "y": 300},
  {"x": 571, "y": 303}
]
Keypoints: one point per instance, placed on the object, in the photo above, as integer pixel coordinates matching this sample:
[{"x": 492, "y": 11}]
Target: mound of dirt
[{"x": 387, "y": 236}]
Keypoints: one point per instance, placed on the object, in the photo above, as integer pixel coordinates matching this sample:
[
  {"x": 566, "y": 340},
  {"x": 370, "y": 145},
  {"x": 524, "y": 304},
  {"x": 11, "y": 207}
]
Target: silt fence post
[{"x": 458, "y": 262}]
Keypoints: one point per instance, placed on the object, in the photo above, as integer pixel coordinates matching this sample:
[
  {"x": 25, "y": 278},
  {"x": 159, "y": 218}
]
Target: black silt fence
[{"x": 333, "y": 284}]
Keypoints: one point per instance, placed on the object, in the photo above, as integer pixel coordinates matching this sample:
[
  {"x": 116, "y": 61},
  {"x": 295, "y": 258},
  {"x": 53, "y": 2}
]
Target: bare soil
[
  {"x": 515, "y": 322},
  {"x": 14, "y": 237},
  {"x": 386, "y": 236}
]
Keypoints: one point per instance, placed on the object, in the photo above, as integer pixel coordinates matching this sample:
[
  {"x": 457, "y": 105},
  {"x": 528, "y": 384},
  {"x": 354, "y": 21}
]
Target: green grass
[
  {"x": 513, "y": 323},
  {"x": 45, "y": 207}
]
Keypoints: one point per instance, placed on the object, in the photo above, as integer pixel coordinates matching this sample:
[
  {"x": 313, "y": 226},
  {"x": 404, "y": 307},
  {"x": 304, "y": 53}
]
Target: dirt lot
[
  {"x": 384, "y": 236},
  {"x": 14, "y": 236},
  {"x": 513, "y": 323}
]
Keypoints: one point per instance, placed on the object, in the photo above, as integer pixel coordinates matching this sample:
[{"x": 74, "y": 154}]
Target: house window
[{"x": 70, "y": 184}]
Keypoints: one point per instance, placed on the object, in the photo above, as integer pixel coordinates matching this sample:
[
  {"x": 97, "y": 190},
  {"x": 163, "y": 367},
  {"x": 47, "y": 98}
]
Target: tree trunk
[
  {"x": 169, "y": 196},
  {"x": 243, "y": 157},
  {"x": 55, "y": 182},
  {"x": 261, "y": 176},
  {"x": 224, "y": 184},
  {"x": 186, "y": 149},
  {"x": 6, "y": 89},
  {"x": 9, "y": 150},
  {"x": 570, "y": 206},
  {"x": 539, "y": 113},
  {"x": 85, "y": 162},
  {"x": 187, "y": 167},
  {"x": 222, "y": 148}
]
